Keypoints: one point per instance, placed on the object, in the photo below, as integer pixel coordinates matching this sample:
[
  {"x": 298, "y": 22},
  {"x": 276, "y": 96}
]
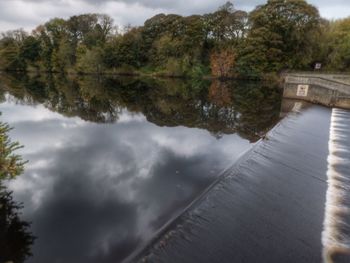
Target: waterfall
[{"x": 336, "y": 234}]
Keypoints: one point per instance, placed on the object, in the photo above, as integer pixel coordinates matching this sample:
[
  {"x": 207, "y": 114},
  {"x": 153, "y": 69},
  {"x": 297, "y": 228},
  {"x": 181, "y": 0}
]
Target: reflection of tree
[
  {"x": 219, "y": 93},
  {"x": 258, "y": 107},
  {"x": 249, "y": 108},
  {"x": 15, "y": 237}
]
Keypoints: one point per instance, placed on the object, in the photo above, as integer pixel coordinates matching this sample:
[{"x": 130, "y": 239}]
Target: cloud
[{"x": 28, "y": 14}]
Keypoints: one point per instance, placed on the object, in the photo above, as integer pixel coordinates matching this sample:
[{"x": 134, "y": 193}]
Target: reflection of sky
[{"x": 96, "y": 191}]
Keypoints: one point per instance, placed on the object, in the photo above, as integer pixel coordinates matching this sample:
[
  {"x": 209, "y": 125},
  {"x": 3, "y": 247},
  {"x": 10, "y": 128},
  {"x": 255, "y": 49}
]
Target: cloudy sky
[{"x": 29, "y": 13}]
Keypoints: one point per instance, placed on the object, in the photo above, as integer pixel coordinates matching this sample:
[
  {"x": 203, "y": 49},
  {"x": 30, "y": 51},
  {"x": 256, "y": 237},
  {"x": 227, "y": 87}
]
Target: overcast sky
[{"x": 28, "y": 14}]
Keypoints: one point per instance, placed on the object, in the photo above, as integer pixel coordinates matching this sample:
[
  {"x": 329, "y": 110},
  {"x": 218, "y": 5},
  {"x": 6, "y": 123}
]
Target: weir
[{"x": 287, "y": 200}]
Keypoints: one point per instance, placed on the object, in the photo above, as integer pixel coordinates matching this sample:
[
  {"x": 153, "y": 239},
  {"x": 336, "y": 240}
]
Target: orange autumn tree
[{"x": 222, "y": 63}]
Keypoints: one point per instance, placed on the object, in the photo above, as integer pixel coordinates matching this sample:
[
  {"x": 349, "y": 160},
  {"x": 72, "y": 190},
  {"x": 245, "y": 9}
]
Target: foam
[{"x": 336, "y": 234}]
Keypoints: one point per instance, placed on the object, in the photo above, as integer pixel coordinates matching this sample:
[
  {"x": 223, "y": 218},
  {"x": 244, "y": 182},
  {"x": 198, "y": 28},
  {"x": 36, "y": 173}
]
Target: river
[
  {"x": 165, "y": 170},
  {"x": 112, "y": 160}
]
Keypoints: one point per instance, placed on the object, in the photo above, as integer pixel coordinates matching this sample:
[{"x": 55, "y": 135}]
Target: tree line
[{"x": 276, "y": 36}]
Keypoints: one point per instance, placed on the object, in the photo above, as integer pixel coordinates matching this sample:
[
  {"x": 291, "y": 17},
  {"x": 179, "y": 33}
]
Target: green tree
[
  {"x": 46, "y": 48},
  {"x": 9, "y": 56},
  {"x": 90, "y": 29},
  {"x": 90, "y": 60},
  {"x": 29, "y": 53},
  {"x": 30, "y": 49},
  {"x": 10, "y": 50},
  {"x": 64, "y": 56},
  {"x": 281, "y": 35},
  {"x": 339, "y": 45},
  {"x": 15, "y": 238},
  {"x": 11, "y": 164},
  {"x": 124, "y": 50}
]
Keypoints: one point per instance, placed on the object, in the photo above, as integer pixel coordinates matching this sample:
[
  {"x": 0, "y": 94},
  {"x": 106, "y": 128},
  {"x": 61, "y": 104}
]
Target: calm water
[{"x": 112, "y": 160}]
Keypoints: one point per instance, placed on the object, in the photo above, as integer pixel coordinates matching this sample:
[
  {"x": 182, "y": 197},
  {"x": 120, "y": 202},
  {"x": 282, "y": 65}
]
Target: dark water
[
  {"x": 270, "y": 207},
  {"x": 112, "y": 160}
]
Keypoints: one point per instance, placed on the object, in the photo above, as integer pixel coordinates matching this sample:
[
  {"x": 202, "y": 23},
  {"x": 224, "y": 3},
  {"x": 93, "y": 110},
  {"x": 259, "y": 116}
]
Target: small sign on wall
[
  {"x": 318, "y": 66},
  {"x": 302, "y": 90}
]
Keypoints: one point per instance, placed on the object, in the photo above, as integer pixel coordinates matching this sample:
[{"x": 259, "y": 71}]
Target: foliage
[
  {"x": 10, "y": 50},
  {"x": 90, "y": 60},
  {"x": 226, "y": 26},
  {"x": 339, "y": 45},
  {"x": 222, "y": 63},
  {"x": 15, "y": 237},
  {"x": 11, "y": 164},
  {"x": 278, "y": 35},
  {"x": 281, "y": 36}
]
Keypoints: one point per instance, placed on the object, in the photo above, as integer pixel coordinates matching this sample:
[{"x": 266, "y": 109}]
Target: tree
[
  {"x": 125, "y": 50},
  {"x": 226, "y": 26},
  {"x": 10, "y": 45},
  {"x": 90, "y": 60},
  {"x": 46, "y": 48},
  {"x": 64, "y": 56},
  {"x": 17, "y": 35},
  {"x": 11, "y": 164},
  {"x": 278, "y": 35},
  {"x": 15, "y": 237},
  {"x": 281, "y": 35},
  {"x": 55, "y": 29},
  {"x": 90, "y": 29},
  {"x": 30, "y": 49},
  {"x": 339, "y": 45},
  {"x": 222, "y": 63}
]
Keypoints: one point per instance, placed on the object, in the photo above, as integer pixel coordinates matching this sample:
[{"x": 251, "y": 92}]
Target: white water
[{"x": 336, "y": 234}]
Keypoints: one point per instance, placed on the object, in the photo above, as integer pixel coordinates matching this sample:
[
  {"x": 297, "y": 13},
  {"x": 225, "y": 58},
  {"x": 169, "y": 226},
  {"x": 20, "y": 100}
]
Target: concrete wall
[
  {"x": 319, "y": 95},
  {"x": 320, "y": 89},
  {"x": 322, "y": 82}
]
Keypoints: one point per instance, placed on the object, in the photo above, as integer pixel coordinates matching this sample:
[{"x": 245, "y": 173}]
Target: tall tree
[
  {"x": 281, "y": 35},
  {"x": 339, "y": 45}
]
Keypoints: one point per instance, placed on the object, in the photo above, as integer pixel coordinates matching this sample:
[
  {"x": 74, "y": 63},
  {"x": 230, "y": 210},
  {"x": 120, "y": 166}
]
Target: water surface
[
  {"x": 112, "y": 160},
  {"x": 270, "y": 207}
]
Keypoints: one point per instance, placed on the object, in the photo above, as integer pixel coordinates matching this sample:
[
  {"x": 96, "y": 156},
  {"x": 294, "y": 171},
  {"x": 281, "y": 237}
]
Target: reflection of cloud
[
  {"x": 22, "y": 113},
  {"x": 98, "y": 191},
  {"x": 127, "y": 117},
  {"x": 178, "y": 142}
]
